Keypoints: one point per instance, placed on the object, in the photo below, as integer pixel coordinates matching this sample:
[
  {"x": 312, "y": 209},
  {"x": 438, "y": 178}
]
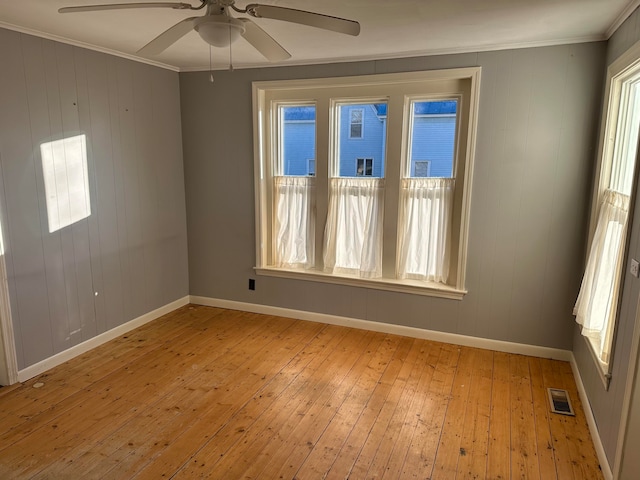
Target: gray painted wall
[
  {"x": 536, "y": 142},
  {"x": 630, "y": 462},
  {"x": 607, "y": 405},
  {"x": 132, "y": 249}
]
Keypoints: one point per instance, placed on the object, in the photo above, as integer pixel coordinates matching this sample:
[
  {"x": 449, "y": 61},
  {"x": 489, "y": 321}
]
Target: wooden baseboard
[
  {"x": 591, "y": 421},
  {"x": 98, "y": 340},
  {"x": 453, "y": 338}
]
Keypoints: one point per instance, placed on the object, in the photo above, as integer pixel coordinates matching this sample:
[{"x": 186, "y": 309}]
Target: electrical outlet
[
  {"x": 252, "y": 284},
  {"x": 635, "y": 268}
]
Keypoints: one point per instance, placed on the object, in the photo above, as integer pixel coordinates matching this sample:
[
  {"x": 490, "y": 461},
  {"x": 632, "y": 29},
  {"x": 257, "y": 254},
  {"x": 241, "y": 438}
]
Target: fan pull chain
[
  {"x": 230, "y": 59},
  {"x": 210, "y": 66}
]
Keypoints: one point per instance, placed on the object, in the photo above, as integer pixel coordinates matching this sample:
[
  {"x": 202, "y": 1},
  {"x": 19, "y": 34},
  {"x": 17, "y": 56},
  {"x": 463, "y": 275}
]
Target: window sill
[{"x": 414, "y": 287}]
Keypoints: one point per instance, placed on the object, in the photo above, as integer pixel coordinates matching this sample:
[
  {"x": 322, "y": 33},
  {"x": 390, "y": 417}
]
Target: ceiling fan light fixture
[{"x": 218, "y": 30}]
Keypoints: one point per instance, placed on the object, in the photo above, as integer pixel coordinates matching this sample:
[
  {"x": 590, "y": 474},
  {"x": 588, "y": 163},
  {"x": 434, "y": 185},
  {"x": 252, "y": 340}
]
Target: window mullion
[
  {"x": 392, "y": 185},
  {"x": 322, "y": 175},
  {"x": 269, "y": 172}
]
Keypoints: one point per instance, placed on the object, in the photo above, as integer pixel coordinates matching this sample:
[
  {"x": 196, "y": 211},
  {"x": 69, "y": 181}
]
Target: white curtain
[
  {"x": 353, "y": 233},
  {"x": 596, "y": 304},
  {"x": 425, "y": 228},
  {"x": 295, "y": 222}
]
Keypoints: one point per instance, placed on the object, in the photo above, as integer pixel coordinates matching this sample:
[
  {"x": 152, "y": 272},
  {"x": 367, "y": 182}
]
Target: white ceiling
[{"x": 389, "y": 28}]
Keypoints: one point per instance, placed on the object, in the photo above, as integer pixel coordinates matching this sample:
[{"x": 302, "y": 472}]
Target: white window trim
[
  {"x": 366, "y": 84},
  {"x": 616, "y": 73}
]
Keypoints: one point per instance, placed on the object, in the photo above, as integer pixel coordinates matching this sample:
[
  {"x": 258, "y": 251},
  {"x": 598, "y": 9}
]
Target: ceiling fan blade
[
  {"x": 168, "y": 37},
  {"x": 263, "y": 42},
  {"x": 118, "y": 6},
  {"x": 326, "y": 22}
]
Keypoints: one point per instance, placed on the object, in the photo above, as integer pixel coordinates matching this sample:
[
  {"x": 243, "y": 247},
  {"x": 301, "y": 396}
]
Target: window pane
[
  {"x": 626, "y": 142},
  {"x": 421, "y": 168},
  {"x": 364, "y": 167},
  {"x": 433, "y": 135},
  {"x": 362, "y": 139},
  {"x": 298, "y": 139},
  {"x": 355, "y": 130}
]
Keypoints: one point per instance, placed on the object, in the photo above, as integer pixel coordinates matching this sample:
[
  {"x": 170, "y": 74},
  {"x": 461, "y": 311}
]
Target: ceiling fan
[{"x": 218, "y": 28}]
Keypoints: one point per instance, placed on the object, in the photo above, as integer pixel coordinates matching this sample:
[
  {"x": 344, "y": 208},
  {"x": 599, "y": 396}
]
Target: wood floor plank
[
  {"x": 294, "y": 443},
  {"x": 570, "y": 434},
  {"x": 109, "y": 389},
  {"x": 271, "y": 408},
  {"x": 212, "y": 393},
  {"x": 241, "y": 418},
  {"x": 111, "y": 386},
  {"x": 374, "y": 440},
  {"x": 423, "y": 449},
  {"x": 499, "y": 452},
  {"x": 325, "y": 452},
  {"x": 171, "y": 397},
  {"x": 360, "y": 431},
  {"x": 561, "y": 442},
  {"x": 524, "y": 447},
  {"x": 449, "y": 450},
  {"x": 327, "y": 447},
  {"x": 240, "y": 384},
  {"x": 148, "y": 380},
  {"x": 89, "y": 367},
  {"x": 402, "y": 443},
  {"x": 546, "y": 458},
  {"x": 125, "y": 348},
  {"x": 583, "y": 450},
  {"x": 474, "y": 443},
  {"x": 398, "y": 417}
]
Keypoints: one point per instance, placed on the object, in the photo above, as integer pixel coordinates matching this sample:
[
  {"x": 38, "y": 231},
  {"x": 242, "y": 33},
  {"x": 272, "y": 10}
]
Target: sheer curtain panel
[
  {"x": 595, "y": 307},
  {"x": 353, "y": 233},
  {"x": 425, "y": 228},
  {"x": 294, "y": 227}
]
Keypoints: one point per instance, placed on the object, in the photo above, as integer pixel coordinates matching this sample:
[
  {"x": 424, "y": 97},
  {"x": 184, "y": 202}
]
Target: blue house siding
[
  {"x": 299, "y": 146},
  {"x": 433, "y": 138}
]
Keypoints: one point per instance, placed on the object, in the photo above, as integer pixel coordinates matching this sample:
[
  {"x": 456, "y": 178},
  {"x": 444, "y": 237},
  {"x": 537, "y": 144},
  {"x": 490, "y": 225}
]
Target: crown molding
[
  {"x": 360, "y": 58},
  {"x": 411, "y": 54},
  {"x": 88, "y": 46},
  {"x": 624, "y": 14}
]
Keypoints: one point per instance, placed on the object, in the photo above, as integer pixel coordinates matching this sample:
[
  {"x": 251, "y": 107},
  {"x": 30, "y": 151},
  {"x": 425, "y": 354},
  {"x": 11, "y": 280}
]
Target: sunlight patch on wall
[{"x": 66, "y": 181}]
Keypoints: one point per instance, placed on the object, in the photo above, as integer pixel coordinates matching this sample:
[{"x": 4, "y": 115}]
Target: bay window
[{"x": 386, "y": 210}]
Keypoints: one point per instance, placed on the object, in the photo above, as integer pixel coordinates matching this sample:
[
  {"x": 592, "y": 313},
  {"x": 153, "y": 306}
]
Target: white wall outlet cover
[{"x": 635, "y": 268}]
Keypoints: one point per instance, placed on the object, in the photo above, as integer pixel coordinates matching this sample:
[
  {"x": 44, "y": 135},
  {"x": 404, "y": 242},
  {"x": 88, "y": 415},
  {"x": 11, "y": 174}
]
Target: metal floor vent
[{"x": 559, "y": 400}]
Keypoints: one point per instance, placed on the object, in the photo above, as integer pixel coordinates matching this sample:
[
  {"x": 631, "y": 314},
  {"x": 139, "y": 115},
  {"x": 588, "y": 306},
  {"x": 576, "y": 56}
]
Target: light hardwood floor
[{"x": 206, "y": 392}]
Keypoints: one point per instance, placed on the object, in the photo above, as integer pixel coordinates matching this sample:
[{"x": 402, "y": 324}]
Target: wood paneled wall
[{"x": 129, "y": 256}]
